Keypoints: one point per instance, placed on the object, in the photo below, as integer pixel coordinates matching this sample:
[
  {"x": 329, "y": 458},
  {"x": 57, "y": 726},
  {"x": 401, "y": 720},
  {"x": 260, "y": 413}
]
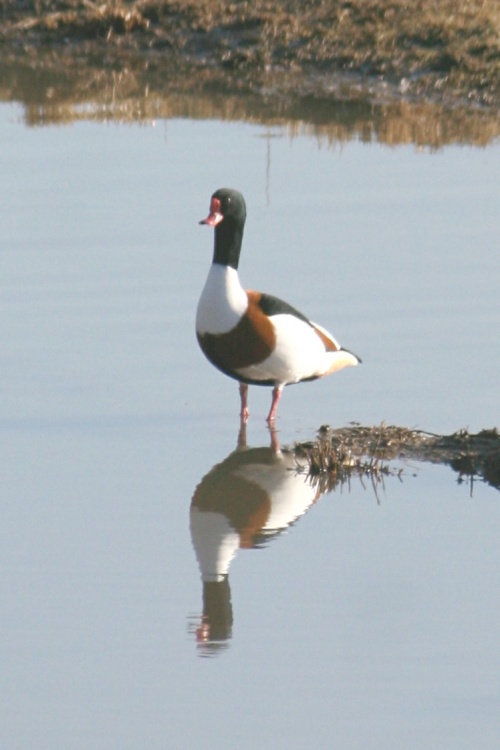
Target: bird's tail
[{"x": 340, "y": 359}]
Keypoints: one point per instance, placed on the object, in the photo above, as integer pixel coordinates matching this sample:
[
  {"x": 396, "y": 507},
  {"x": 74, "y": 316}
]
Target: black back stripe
[{"x": 273, "y": 306}]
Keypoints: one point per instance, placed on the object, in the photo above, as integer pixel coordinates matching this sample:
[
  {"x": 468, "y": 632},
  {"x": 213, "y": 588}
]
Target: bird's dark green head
[{"x": 228, "y": 213}]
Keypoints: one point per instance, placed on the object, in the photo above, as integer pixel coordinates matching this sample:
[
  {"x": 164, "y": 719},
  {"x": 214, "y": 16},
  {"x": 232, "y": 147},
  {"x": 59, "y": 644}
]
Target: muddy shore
[
  {"x": 282, "y": 57},
  {"x": 339, "y": 455}
]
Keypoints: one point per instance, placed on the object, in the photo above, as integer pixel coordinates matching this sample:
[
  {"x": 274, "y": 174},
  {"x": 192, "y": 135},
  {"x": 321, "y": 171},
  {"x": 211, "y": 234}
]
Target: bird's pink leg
[
  {"x": 275, "y": 443},
  {"x": 245, "y": 412},
  {"x": 277, "y": 391}
]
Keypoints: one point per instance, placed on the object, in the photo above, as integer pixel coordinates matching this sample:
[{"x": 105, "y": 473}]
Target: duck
[{"x": 252, "y": 336}]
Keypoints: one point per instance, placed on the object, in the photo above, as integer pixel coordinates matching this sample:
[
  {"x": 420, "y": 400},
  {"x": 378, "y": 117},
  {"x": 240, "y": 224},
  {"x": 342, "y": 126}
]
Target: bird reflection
[{"x": 249, "y": 498}]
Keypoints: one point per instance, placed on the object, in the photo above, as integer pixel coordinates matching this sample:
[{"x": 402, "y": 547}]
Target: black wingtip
[{"x": 360, "y": 361}]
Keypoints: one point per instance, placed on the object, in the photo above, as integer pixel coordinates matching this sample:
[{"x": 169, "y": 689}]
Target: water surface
[{"x": 364, "y": 624}]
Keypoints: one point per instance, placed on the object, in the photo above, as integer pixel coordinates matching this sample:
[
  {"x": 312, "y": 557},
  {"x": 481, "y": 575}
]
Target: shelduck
[{"x": 253, "y": 337}]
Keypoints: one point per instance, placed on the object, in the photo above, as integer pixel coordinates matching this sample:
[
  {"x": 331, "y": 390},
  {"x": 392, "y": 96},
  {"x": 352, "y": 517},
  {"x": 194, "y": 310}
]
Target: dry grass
[
  {"x": 446, "y": 50},
  {"x": 376, "y": 452}
]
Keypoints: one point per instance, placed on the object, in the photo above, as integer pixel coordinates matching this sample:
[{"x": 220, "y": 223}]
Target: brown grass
[
  {"x": 376, "y": 452},
  {"x": 446, "y": 50}
]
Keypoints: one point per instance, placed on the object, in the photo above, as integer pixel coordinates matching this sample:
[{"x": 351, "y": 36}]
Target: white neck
[{"x": 223, "y": 301}]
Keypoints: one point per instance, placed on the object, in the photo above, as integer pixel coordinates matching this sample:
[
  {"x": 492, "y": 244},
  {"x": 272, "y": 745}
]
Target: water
[{"x": 366, "y": 623}]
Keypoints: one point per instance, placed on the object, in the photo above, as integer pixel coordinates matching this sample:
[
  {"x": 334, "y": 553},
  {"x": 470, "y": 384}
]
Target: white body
[{"x": 299, "y": 352}]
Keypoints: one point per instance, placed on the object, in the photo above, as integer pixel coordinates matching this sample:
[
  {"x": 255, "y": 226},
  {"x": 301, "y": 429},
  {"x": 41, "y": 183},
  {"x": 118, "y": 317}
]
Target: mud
[
  {"x": 379, "y": 67},
  {"x": 338, "y": 455}
]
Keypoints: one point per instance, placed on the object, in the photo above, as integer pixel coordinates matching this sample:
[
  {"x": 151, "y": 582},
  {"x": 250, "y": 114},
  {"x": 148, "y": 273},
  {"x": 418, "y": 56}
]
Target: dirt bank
[{"x": 445, "y": 51}]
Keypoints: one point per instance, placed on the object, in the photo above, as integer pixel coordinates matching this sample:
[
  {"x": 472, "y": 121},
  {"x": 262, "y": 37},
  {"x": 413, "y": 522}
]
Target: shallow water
[{"x": 371, "y": 622}]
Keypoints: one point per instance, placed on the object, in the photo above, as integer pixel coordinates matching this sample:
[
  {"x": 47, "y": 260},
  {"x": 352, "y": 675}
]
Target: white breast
[{"x": 222, "y": 303}]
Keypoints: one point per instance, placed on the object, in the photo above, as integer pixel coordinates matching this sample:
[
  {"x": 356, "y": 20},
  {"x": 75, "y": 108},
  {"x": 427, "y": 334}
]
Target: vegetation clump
[
  {"x": 444, "y": 50},
  {"x": 375, "y": 452}
]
